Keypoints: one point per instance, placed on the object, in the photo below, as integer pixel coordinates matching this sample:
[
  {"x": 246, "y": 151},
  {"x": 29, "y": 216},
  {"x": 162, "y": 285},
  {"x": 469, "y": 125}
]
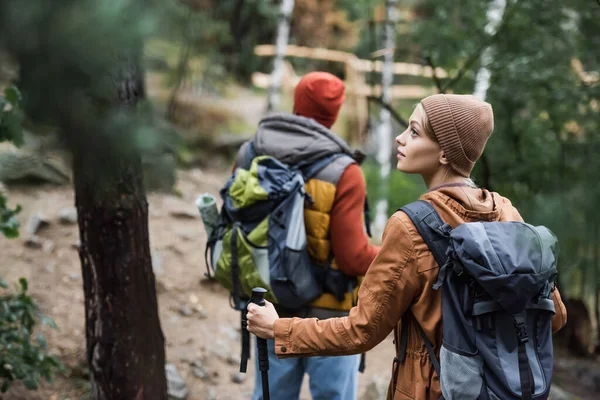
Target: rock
[
  {"x": 35, "y": 223},
  {"x": 234, "y": 359},
  {"x": 186, "y": 311},
  {"x": 177, "y": 389},
  {"x": 200, "y": 371},
  {"x": 50, "y": 267},
  {"x": 67, "y": 216},
  {"x": 202, "y": 313},
  {"x": 375, "y": 390},
  {"x": 180, "y": 209},
  {"x": 162, "y": 286},
  {"x": 74, "y": 277},
  {"x": 231, "y": 332},
  {"x": 174, "y": 247},
  {"x": 49, "y": 246},
  {"x": 220, "y": 349},
  {"x": 238, "y": 377},
  {"x": 76, "y": 245},
  {"x": 557, "y": 393},
  {"x": 33, "y": 242},
  {"x": 156, "y": 262},
  {"x": 185, "y": 234},
  {"x": 211, "y": 394}
]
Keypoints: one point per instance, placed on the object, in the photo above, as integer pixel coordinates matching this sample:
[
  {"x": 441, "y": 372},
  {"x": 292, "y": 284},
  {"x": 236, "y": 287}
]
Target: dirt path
[{"x": 208, "y": 336}]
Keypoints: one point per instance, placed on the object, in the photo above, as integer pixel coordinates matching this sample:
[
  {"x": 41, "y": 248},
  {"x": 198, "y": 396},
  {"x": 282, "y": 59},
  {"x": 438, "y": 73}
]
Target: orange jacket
[{"x": 400, "y": 278}]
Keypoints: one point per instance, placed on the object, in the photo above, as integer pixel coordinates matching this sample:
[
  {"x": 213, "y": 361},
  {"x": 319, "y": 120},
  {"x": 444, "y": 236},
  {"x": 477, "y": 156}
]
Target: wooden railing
[{"x": 356, "y": 70}]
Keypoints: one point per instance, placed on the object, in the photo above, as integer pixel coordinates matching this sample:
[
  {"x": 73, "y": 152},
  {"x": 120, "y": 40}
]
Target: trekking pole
[{"x": 258, "y": 298}]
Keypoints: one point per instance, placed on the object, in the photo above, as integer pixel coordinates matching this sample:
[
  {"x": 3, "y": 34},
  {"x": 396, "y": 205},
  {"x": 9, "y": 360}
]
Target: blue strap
[
  {"x": 435, "y": 233},
  {"x": 310, "y": 169},
  {"x": 432, "y": 229},
  {"x": 249, "y": 155}
]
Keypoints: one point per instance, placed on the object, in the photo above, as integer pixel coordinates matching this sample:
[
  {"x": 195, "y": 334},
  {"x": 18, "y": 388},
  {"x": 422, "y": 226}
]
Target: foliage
[
  {"x": 23, "y": 354},
  {"x": 10, "y": 130},
  {"x": 546, "y": 102},
  {"x": 9, "y": 225},
  {"x": 402, "y": 188},
  {"x": 11, "y": 116}
]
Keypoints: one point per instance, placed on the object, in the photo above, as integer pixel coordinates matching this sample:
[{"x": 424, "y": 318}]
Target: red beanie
[{"x": 319, "y": 95}]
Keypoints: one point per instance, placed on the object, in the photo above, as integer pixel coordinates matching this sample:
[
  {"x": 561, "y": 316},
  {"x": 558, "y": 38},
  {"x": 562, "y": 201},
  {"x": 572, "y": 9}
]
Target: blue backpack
[{"x": 497, "y": 280}]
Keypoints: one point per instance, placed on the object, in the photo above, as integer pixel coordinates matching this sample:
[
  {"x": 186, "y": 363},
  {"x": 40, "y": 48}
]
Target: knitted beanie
[
  {"x": 319, "y": 95},
  {"x": 462, "y": 125}
]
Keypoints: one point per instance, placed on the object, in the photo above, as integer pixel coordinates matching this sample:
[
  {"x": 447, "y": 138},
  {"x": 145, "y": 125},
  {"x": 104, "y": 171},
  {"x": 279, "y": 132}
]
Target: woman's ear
[{"x": 443, "y": 159}]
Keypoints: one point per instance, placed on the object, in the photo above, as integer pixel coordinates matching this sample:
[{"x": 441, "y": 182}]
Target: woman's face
[{"x": 417, "y": 152}]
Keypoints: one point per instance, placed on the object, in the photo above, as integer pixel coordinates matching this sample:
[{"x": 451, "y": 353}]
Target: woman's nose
[{"x": 399, "y": 139}]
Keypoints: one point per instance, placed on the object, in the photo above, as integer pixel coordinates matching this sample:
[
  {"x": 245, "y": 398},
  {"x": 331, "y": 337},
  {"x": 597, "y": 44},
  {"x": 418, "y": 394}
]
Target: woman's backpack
[{"x": 497, "y": 280}]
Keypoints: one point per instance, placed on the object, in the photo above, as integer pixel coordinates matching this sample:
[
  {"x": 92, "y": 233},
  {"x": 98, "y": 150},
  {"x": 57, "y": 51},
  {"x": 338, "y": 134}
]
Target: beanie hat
[
  {"x": 462, "y": 125},
  {"x": 319, "y": 95}
]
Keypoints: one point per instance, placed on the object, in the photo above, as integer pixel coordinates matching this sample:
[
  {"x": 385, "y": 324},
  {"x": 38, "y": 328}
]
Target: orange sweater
[{"x": 350, "y": 244}]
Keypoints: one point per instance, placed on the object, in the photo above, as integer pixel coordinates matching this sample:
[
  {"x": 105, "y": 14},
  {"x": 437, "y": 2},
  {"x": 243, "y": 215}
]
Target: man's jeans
[{"x": 331, "y": 378}]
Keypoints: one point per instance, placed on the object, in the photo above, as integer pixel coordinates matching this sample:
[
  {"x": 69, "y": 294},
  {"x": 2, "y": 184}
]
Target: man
[{"x": 335, "y": 231}]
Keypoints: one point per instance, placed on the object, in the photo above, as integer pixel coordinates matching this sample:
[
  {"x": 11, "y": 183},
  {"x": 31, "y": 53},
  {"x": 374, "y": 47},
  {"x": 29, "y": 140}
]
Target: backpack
[
  {"x": 260, "y": 238},
  {"x": 497, "y": 280}
]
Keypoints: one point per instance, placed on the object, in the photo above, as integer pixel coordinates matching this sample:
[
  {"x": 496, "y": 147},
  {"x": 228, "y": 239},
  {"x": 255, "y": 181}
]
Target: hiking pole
[{"x": 258, "y": 298}]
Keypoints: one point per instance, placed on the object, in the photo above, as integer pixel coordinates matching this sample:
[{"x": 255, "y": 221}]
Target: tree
[
  {"x": 384, "y": 129},
  {"x": 125, "y": 343},
  {"x": 90, "y": 89},
  {"x": 283, "y": 36}
]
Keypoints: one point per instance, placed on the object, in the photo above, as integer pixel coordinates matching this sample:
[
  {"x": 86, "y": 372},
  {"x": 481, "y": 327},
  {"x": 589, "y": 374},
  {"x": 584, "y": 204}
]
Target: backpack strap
[
  {"x": 311, "y": 168},
  {"x": 525, "y": 374},
  {"x": 435, "y": 234},
  {"x": 431, "y": 228},
  {"x": 246, "y": 154}
]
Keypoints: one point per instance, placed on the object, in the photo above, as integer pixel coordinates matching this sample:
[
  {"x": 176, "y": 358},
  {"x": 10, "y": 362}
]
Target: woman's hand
[{"x": 261, "y": 319}]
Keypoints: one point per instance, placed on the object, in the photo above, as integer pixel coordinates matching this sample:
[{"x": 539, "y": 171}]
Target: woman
[{"x": 445, "y": 137}]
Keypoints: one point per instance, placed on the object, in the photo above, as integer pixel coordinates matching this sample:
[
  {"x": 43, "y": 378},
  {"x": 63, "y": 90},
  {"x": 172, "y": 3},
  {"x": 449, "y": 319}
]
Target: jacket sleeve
[
  {"x": 560, "y": 316},
  {"x": 388, "y": 290},
  {"x": 349, "y": 242}
]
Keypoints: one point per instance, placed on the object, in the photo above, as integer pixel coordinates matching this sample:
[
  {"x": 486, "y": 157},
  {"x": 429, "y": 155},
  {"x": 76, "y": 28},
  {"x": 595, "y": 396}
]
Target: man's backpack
[
  {"x": 497, "y": 280},
  {"x": 260, "y": 238}
]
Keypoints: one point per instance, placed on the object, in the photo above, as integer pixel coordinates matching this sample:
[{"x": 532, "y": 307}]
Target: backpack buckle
[
  {"x": 521, "y": 329},
  {"x": 445, "y": 230}
]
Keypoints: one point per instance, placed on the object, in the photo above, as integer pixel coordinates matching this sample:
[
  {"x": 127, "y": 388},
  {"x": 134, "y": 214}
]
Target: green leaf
[
  {"x": 46, "y": 320},
  {"x": 41, "y": 341},
  {"x": 12, "y": 95},
  {"x": 30, "y": 383},
  {"x": 24, "y": 285}
]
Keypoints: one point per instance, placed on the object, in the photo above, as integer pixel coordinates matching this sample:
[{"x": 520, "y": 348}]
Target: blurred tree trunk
[
  {"x": 384, "y": 129},
  {"x": 596, "y": 265},
  {"x": 125, "y": 343},
  {"x": 281, "y": 42}
]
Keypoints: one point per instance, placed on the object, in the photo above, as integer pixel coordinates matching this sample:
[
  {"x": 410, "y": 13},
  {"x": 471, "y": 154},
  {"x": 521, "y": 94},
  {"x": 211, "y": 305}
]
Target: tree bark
[{"x": 125, "y": 342}]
